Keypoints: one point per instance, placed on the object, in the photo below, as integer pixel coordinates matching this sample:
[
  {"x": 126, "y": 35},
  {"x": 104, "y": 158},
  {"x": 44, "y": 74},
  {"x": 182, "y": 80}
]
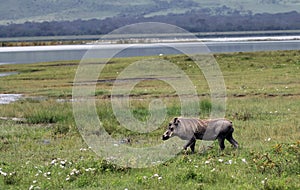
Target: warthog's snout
[
  {"x": 165, "y": 137},
  {"x": 170, "y": 131}
]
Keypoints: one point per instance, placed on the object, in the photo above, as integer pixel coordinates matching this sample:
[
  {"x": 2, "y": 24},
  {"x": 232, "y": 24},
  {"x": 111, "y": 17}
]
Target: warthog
[{"x": 191, "y": 129}]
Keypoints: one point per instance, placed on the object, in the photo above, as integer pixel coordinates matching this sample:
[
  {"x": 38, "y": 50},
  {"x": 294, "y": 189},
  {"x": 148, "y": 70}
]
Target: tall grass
[{"x": 48, "y": 112}]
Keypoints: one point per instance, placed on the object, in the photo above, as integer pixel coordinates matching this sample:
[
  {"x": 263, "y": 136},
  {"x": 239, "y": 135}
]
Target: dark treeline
[{"x": 193, "y": 21}]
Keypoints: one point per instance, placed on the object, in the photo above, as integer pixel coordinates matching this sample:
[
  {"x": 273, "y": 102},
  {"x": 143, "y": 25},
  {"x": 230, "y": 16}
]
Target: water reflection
[
  {"x": 8, "y": 74},
  {"x": 8, "y": 98}
]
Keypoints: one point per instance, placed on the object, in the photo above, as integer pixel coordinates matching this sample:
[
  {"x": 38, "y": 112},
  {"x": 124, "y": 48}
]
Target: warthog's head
[{"x": 171, "y": 129}]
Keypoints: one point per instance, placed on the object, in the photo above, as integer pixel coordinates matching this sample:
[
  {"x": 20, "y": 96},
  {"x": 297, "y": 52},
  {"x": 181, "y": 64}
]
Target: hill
[
  {"x": 193, "y": 21},
  {"x": 21, "y": 11}
]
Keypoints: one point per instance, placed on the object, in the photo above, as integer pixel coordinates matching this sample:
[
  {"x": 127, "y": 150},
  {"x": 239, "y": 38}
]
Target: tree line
[{"x": 192, "y": 21}]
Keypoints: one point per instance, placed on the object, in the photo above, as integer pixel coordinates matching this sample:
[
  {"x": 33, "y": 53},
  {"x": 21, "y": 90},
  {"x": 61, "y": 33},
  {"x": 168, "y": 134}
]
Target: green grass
[{"x": 46, "y": 150}]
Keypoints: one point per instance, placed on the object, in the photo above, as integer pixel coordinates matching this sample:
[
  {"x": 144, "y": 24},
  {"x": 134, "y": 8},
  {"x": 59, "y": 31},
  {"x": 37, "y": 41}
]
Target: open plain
[{"x": 41, "y": 148}]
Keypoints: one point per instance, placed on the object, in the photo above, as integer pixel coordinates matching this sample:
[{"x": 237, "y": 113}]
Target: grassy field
[{"x": 45, "y": 150}]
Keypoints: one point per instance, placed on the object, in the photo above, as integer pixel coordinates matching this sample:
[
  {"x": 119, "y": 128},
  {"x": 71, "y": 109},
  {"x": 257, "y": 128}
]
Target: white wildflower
[
  {"x": 244, "y": 160},
  {"x": 34, "y": 181},
  {"x": 63, "y": 163},
  {"x": 214, "y": 169},
  {"x": 53, "y": 162},
  {"x": 155, "y": 175},
  {"x": 264, "y": 181},
  {"x": 3, "y": 173},
  {"x": 74, "y": 171},
  {"x": 229, "y": 162},
  {"x": 207, "y": 162},
  {"x": 159, "y": 178},
  {"x": 90, "y": 169},
  {"x": 47, "y": 174},
  {"x": 220, "y": 160},
  {"x": 268, "y": 139}
]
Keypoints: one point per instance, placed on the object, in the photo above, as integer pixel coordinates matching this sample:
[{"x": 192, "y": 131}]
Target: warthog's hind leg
[
  {"x": 232, "y": 141},
  {"x": 193, "y": 147},
  {"x": 230, "y": 138}
]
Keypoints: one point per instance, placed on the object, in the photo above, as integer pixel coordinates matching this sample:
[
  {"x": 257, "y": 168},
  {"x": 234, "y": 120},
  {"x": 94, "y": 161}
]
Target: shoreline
[
  {"x": 148, "y": 43},
  {"x": 151, "y": 38}
]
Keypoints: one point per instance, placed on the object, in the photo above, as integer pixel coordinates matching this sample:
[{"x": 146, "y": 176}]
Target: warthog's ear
[{"x": 176, "y": 121}]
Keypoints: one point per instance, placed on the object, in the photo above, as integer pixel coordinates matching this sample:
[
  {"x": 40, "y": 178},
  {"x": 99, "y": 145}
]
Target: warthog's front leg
[
  {"x": 221, "y": 140},
  {"x": 191, "y": 143}
]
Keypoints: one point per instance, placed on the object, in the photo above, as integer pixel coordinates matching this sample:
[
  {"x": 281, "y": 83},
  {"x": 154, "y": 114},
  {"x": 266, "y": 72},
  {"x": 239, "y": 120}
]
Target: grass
[{"x": 46, "y": 151}]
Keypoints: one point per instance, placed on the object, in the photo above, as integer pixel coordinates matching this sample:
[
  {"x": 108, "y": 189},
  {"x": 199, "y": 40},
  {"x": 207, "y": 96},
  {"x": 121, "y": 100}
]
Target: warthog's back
[
  {"x": 215, "y": 127},
  {"x": 206, "y": 129},
  {"x": 190, "y": 126},
  {"x": 196, "y": 125}
]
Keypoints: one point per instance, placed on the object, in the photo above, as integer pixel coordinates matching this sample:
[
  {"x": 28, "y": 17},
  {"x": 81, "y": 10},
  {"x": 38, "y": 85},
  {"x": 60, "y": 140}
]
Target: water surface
[{"x": 18, "y": 55}]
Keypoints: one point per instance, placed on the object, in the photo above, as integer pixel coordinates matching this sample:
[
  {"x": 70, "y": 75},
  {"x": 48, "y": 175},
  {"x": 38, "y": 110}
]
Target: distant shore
[{"x": 151, "y": 38}]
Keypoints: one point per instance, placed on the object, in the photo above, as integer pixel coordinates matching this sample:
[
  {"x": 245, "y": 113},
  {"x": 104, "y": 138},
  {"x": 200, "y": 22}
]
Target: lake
[{"x": 32, "y": 54}]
